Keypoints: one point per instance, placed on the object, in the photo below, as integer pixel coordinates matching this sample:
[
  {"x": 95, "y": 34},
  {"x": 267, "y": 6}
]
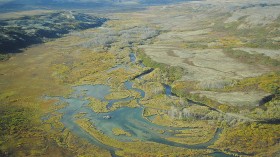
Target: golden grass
[
  {"x": 138, "y": 148},
  {"x": 194, "y": 136},
  {"x": 97, "y": 105},
  {"x": 118, "y": 95},
  {"x": 119, "y": 131},
  {"x": 249, "y": 138}
]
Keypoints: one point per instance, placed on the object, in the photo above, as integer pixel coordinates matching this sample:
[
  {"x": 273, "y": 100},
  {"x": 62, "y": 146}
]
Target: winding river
[{"x": 128, "y": 119}]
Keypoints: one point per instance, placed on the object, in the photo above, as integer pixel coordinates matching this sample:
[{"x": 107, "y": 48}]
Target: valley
[{"x": 197, "y": 78}]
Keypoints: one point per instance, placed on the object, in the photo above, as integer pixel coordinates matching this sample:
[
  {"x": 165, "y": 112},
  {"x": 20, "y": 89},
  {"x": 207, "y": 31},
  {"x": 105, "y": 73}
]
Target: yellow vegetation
[
  {"x": 249, "y": 138},
  {"x": 138, "y": 148},
  {"x": 267, "y": 82},
  {"x": 230, "y": 42},
  {"x": 118, "y": 131},
  {"x": 118, "y": 95},
  {"x": 194, "y": 136},
  {"x": 97, "y": 105}
]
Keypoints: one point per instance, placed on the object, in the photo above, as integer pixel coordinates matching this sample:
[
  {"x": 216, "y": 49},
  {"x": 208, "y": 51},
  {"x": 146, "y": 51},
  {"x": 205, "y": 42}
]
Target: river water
[{"x": 128, "y": 119}]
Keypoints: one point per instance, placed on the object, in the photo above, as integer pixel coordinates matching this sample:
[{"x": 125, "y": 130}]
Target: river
[{"x": 128, "y": 119}]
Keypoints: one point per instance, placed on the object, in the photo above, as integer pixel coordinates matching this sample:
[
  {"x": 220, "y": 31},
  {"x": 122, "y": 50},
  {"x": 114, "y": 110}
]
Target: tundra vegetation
[{"x": 220, "y": 59}]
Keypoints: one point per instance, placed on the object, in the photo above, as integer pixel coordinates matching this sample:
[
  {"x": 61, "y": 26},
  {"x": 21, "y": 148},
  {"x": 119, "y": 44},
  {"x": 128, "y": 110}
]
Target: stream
[{"x": 129, "y": 119}]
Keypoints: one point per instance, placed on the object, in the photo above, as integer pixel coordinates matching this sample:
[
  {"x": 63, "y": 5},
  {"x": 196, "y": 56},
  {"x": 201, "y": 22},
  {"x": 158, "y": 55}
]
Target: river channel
[{"x": 129, "y": 119}]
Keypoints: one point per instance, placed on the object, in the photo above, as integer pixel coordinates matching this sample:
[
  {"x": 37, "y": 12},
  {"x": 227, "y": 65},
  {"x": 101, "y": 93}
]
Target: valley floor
[{"x": 191, "y": 79}]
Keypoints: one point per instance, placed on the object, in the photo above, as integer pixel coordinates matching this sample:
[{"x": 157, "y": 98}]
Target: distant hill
[
  {"x": 25, "y": 31},
  {"x": 12, "y": 5}
]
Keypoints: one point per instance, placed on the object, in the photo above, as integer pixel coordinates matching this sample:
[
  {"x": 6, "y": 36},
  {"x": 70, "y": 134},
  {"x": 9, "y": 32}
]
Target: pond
[
  {"x": 132, "y": 57},
  {"x": 168, "y": 89}
]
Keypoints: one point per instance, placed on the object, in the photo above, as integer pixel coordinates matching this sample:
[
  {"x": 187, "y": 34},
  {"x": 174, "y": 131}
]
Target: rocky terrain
[
  {"x": 211, "y": 40},
  {"x": 22, "y": 32}
]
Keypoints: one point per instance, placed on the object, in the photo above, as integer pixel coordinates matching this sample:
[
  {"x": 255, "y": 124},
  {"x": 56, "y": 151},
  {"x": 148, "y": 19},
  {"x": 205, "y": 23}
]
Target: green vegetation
[
  {"x": 194, "y": 136},
  {"x": 161, "y": 102},
  {"x": 132, "y": 104},
  {"x": 118, "y": 132},
  {"x": 4, "y": 57},
  {"x": 269, "y": 112},
  {"x": 171, "y": 73},
  {"x": 268, "y": 82},
  {"x": 263, "y": 43},
  {"x": 250, "y": 138},
  {"x": 24, "y": 134},
  {"x": 184, "y": 93},
  {"x": 139, "y": 148},
  {"x": 31, "y": 125},
  {"x": 118, "y": 95},
  {"x": 150, "y": 112},
  {"x": 257, "y": 59},
  {"x": 16, "y": 122},
  {"x": 97, "y": 105},
  {"x": 85, "y": 69},
  {"x": 254, "y": 37},
  {"x": 187, "y": 86}
]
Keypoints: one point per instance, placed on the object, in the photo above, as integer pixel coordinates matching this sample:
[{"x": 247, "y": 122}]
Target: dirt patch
[
  {"x": 172, "y": 54},
  {"x": 204, "y": 65},
  {"x": 187, "y": 61}
]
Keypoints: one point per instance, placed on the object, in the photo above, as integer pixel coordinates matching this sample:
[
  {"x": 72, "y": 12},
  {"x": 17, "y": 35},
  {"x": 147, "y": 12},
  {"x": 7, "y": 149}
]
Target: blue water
[
  {"x": 96, "y": 91},
  {"x": 129, "y": 119},
  {"x": 132, "y": 57},
  {"x": 129, "y": 86},
  {"x": 168, "y": 90},
  {"x": 142, "y": 65},
  {"x": 112, "y": 102},
  {"x": 74, "y": 107}
]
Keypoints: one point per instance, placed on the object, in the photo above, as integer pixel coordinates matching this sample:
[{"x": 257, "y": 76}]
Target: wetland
[{"x": 191, "y": 78}]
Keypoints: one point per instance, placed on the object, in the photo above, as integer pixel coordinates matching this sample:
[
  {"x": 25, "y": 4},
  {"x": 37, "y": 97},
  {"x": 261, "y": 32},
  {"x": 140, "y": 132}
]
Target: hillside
[{"x": 24, "y": 31}]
